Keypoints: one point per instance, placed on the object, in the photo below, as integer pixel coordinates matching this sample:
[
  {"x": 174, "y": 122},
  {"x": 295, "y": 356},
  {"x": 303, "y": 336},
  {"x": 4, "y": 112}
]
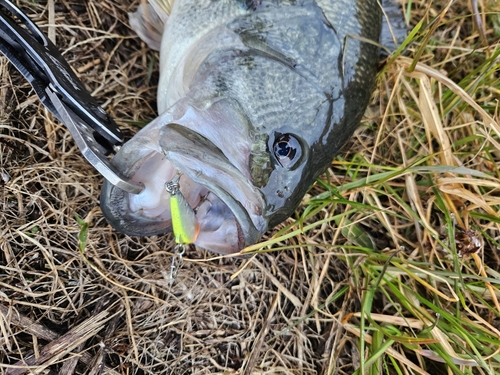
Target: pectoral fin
[{"x": 149, "y": 20}]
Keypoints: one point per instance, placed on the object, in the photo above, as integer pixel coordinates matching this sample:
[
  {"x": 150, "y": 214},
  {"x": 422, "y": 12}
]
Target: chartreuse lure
[{"x": 184, "y": 223}]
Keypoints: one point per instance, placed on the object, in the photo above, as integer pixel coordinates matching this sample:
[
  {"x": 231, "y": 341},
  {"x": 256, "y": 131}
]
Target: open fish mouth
[{"x": 227, "y": 207}]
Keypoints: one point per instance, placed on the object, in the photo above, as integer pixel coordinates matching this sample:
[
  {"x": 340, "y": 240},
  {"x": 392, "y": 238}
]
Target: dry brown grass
[{"x": 381, "y": 222}]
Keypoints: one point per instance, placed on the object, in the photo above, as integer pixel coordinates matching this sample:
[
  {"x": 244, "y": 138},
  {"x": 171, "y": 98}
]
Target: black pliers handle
[{"x": 61, "y": 92}]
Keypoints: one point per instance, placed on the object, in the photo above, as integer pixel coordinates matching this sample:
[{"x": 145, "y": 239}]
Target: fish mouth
[{"x": 227, "y": 206}]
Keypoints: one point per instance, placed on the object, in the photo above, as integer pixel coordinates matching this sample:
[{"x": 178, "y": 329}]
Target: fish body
[{"x": 255, "y": 99}]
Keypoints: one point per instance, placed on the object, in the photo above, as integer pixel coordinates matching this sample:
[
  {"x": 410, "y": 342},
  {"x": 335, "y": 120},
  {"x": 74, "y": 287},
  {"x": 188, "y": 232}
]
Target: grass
[
  {"x": 429, "y": 300},
  {"x": 390, "y": 265}
]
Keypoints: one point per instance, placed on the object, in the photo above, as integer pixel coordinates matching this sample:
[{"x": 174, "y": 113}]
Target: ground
[{"x": 390, "y": 265}]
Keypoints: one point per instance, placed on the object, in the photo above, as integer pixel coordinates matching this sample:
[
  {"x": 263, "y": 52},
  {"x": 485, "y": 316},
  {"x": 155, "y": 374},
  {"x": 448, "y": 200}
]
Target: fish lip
[
  {"x": 196, "y": 156},
  {"x": 114, "y": 204}
]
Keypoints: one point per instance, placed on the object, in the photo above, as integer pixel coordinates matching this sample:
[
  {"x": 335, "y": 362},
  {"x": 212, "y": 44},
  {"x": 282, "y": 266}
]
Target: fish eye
[{"x": 286, "y": 149}]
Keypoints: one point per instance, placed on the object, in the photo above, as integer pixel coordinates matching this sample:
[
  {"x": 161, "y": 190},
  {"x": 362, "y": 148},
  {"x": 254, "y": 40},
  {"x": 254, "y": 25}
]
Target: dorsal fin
[{"x": 149, "y": 20}]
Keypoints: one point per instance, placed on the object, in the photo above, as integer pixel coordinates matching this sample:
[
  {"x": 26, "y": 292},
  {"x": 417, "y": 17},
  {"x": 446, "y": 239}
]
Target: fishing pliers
[{"x": 61, "y": 92}]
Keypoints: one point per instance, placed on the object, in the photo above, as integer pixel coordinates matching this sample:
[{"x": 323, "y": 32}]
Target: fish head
[{"x": 239, "y": 179}]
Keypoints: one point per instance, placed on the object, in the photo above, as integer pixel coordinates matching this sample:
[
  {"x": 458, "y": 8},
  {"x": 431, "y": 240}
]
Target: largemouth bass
[{"x": 255, "y": 99}]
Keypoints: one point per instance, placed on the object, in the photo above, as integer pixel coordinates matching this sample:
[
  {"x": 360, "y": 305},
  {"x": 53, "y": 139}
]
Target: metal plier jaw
[{"x": 61, "y": 92}]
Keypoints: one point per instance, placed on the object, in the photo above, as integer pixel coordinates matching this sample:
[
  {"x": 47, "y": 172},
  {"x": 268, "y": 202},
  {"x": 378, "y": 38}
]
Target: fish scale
[
  {"x": 279, "y": 34},
  {"x": 267, "y": 101},
  {"x": 358, "y": 18}
]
